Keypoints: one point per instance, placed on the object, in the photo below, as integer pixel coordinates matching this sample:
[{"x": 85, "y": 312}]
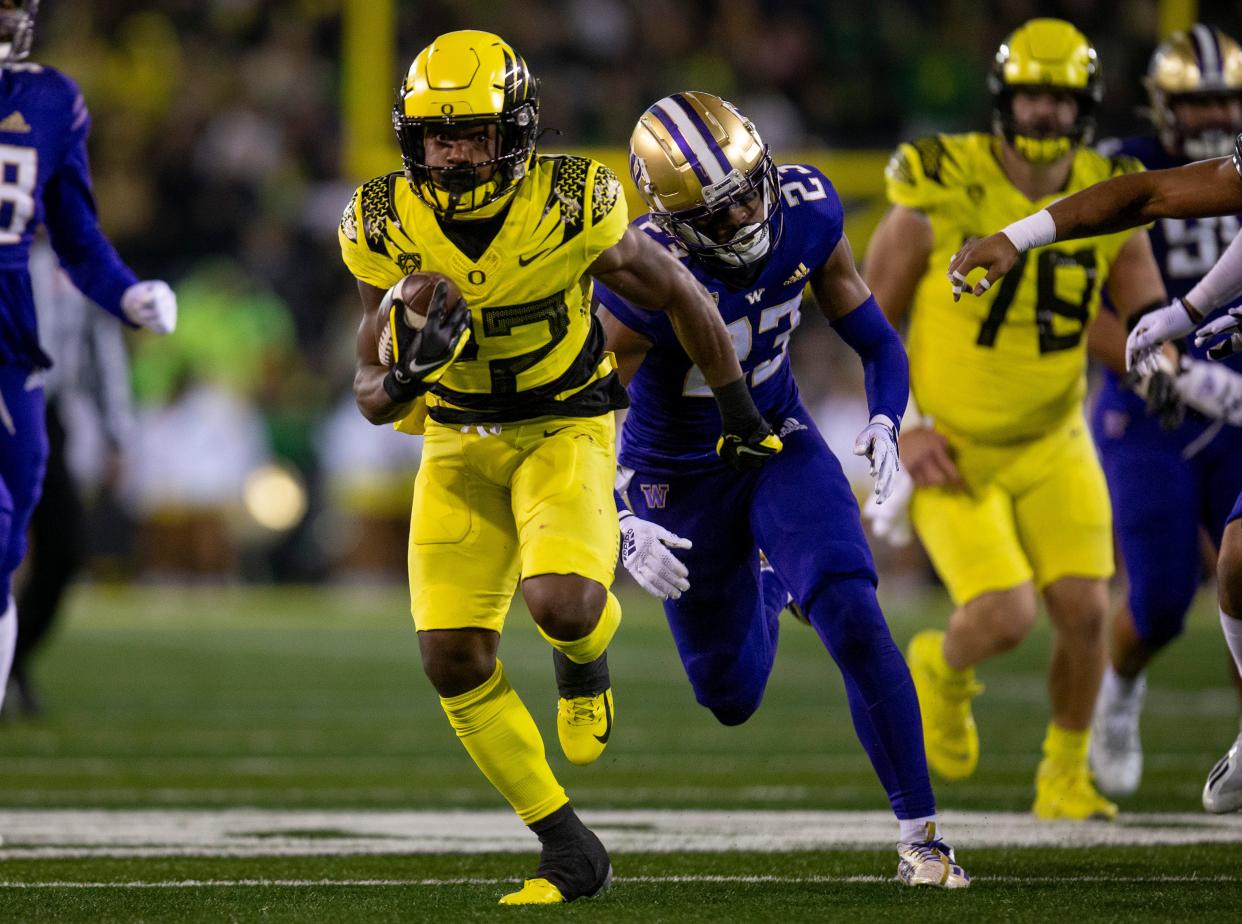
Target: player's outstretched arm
[
  {"x": 89, "y": 257},
  {"x": 1198, "y": 190},
  {"x": 848, "y": 305},
  {"x": 643, "y": 273}
]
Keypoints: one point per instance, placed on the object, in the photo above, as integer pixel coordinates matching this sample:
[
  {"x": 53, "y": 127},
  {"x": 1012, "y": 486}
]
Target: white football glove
[
  {"x": 1153, "y": 330},
  {"x": 1228, "y": 323},
  {"x": 1211, "y": 389},
  {"x": 890, "y": 522},
  {"x": 645, "y": 552},
  {"x": 151, "y": 304},
  {"x": 878, "y": 442}
]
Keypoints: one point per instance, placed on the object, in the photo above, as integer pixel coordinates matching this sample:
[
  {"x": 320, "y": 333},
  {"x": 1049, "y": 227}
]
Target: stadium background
[
  {"x": 228, "y": 135},
  {"x": 192, "y": 675}
]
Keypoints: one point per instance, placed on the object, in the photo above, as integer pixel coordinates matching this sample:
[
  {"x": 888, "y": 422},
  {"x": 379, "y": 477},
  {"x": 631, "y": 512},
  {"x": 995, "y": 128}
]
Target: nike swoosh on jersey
[
  {"x": 556, "y": 431},
  {"x": 603, "y": 739},
  {"x": 527, "y": 261}
]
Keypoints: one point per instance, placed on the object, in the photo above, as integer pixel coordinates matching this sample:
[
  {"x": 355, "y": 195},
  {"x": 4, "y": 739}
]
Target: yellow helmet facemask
[
  {"x": 463, "y": 79},
  {"x": 1042, "y": 55}
]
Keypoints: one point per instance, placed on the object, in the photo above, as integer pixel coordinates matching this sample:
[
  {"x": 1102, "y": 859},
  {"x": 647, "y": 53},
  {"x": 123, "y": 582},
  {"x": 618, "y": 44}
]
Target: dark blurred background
[{"x": 228, "y": 136}]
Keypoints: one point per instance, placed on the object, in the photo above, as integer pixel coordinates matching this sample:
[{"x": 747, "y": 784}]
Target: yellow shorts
[
  {"x": 496, "y": 504},
  {"x": 1034, "y": 511}
]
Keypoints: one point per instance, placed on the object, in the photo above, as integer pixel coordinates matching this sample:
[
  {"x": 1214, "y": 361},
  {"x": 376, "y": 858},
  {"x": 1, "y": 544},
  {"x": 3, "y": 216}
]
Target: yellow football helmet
[
  {"x": 468, "y": 78},
  {"x": 693, "y": 156},
  {"x": 1201, "y": 63},
  {"x": 1045, "y": 54}
]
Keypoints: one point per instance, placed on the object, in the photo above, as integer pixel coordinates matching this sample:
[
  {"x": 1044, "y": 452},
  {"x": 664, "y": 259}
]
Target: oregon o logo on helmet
[{"x": 446, "y": 109}]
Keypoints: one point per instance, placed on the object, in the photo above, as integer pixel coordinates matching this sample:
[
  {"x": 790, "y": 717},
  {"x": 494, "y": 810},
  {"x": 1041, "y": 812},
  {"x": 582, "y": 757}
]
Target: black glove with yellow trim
[{"x": 747, "y": 441}]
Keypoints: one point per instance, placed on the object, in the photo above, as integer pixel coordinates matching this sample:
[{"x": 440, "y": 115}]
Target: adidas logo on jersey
[
  {"x": 15, "y": 123},
  {"x": 791, "y": 425},
  {"x": 798, "y": 275}
]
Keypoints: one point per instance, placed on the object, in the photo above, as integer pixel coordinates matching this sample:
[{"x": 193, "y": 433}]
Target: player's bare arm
[
  {"x": 644, "y": 273},
  {"x": 1197, "y": 190},
  {"x": 896, "y": 260},
  {"x": 626, "y": 344},
  {"x": 1134, "y": 287},
  {"x": 369, "y": 393},
  {"x": 838, "y": 287}
]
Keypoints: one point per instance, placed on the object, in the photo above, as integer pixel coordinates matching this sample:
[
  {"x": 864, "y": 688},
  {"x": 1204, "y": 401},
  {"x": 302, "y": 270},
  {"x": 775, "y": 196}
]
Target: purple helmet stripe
[
  {"x": 692, "y": 113},
  {"x": 682, "y": 145},
  {"x": 1207, "y": 50}
]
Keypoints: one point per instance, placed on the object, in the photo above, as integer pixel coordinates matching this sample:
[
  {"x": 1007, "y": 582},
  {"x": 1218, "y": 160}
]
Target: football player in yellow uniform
[
  {"x": 1010, "y": 501},
  {"x": 517, "y": 397}
]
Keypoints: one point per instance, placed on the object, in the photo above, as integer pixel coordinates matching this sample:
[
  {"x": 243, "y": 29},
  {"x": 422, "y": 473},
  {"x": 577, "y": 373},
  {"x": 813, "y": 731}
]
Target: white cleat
[
  {"x": 1116, "y": 753},
  {"x": 930, "y": 863},
  {"x": 1223, "y": 790}
]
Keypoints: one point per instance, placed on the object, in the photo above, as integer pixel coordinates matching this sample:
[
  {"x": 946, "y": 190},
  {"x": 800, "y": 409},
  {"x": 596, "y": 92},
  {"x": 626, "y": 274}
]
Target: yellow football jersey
[
  {"x": 1011, "y": 365},
  {"x": 536, "y": 350}
]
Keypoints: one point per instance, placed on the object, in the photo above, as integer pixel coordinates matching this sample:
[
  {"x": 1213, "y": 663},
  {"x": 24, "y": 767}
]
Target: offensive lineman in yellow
[
  {"x": 1009, "y": 500},
  {"x": 518, "y": 462}
]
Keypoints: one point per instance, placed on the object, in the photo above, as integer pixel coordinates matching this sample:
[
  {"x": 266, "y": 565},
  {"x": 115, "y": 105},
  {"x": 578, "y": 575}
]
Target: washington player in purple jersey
[
  {"x": 755, "y": 235},
  {"x": 1195, "y": 86},
  {"x": 44, "y": 180}
]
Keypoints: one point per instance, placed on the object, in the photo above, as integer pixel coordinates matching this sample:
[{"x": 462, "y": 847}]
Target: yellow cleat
[
  {"x": 949, "y": 732},
  {"x": 584, "y": 725},
  {"x": 534, "y": 892},
  {"x": 1065, "y": 792}
]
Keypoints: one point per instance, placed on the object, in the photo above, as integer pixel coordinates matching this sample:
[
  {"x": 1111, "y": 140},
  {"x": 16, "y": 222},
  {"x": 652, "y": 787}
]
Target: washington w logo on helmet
[{"x": 467, "y": 85}]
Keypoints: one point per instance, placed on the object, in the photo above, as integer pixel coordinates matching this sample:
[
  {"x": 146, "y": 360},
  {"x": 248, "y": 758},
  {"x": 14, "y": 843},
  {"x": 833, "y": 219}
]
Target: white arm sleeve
[{"x": 1222, "y": 284}]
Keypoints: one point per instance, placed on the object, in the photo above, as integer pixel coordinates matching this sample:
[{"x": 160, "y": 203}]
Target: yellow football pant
[
  {"x": 494, "y": 505},
  {"x": 1037, "y": 511}
]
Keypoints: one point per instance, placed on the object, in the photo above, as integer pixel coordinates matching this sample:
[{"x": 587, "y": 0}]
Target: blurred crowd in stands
[{"x": 216, "y": 153}]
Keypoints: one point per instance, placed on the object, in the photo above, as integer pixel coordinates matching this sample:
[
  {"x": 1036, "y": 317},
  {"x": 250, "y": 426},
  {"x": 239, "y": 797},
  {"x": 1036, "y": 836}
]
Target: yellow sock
[
  {"x": 502, "y": 739},
  {"x": 1065, "y": 747},
  {"x": 586, "y": 649}
]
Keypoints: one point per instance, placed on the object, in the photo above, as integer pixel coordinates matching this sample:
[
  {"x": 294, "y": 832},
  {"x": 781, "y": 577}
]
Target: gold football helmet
[
  {"x": 694, "y": 158},
  {"x": 467, "y": 78},
  {"x": 1200, "y": 64},
  {"x": 1045, "y": 54},
  {"x": 17, "y": 30}
]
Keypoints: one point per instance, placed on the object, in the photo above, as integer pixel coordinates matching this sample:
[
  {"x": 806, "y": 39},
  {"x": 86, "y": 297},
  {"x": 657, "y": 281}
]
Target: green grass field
[{"x": 198, "y": 701}]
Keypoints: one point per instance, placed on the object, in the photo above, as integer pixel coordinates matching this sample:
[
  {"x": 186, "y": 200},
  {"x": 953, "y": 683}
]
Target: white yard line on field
[
  {"x": 622, "y": 880},
  {"x": 71, "y": 834}
]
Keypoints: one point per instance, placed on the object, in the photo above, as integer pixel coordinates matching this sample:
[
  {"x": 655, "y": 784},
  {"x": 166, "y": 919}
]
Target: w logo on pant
[{"x": 656, "y": 495}]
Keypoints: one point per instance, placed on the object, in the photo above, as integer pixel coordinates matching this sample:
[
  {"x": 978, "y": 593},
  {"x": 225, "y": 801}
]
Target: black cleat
[{"x": 572, "y": 864}]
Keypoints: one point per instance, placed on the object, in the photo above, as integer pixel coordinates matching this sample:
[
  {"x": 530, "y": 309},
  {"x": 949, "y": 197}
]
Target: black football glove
[
  {"x": 747, "y": 441},
  {"x": 746, "y": 452},
  {"x": 421, "y": 357}
]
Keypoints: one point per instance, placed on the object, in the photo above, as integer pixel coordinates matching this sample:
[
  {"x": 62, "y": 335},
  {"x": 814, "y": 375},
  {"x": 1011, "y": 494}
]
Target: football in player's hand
[{"x": 411, "y": 299}]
